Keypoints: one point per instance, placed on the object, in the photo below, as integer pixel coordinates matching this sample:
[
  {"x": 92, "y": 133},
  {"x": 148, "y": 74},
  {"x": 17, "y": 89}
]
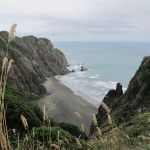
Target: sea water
[{"x": 107, "y": 62}]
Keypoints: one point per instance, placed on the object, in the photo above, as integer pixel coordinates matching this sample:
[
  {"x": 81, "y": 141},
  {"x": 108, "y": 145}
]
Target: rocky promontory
[
  {"x": 35, "y": 59},
  {"x": 124, "y": 107}
]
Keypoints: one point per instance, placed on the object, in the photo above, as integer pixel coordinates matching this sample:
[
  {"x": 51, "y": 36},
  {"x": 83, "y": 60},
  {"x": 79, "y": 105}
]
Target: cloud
[{"x": 78, "y": 19}]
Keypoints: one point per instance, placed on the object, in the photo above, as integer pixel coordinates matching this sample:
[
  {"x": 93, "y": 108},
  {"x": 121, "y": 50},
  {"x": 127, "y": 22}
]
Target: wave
[
  {"x": 87, "y": 84},
  {"x": 108, "y": 85},
  {"x": 93, "y": 77},
  {"x": 77, "y": 87}
]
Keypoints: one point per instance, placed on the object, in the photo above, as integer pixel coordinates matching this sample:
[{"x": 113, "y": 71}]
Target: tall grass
[{"x": 6, "y": 65}]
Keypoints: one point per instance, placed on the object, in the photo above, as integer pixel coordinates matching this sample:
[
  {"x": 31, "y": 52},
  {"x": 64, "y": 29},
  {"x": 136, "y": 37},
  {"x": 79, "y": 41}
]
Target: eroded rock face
[
  {"x": 136, "y": 98},
  {"x": 108, "y": 100},
  {"x": 35, "y": 59}
]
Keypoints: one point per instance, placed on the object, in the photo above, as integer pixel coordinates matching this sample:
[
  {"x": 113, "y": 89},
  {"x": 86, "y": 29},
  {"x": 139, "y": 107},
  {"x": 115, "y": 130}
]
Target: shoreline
[
  {"x": 61, "y": 102},
  {"x": 90, "y": 99}
]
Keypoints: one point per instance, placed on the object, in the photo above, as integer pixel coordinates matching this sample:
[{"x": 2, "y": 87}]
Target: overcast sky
[{"x": 78, "y": 20}]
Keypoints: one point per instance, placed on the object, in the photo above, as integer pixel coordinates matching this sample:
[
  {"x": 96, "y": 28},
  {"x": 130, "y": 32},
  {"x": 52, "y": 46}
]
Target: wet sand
[{"x": 60, "y": 103}]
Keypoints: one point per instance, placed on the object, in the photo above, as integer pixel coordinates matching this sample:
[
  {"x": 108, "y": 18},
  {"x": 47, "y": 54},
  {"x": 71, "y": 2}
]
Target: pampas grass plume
[
  {"x": 9, "y": 65},
  {"x": 5, "y": 61},
  {"x": 99, "y": 132},
  {"x": 82, "y": 127},
  {"x": 109, "y": 119},
  {"x": 77, "y": 115},
  {"x": 24, "y": 121},
  {"x": 12, "y": 33},
  {"x": 95, "y": 120},
  {"x": 78, "y": 143},
  {"x": 105, "y": 107}
]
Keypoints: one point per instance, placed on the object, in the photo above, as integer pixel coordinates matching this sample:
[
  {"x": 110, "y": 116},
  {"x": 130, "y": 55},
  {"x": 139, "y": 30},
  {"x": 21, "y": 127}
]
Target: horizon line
[{"x": 93, "y": 41}]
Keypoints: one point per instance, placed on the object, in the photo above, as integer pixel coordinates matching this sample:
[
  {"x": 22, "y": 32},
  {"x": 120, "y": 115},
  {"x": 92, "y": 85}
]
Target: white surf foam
[
  {"x": 78, "y": 89},
  {"x": 93, "y": 77},
  {"x": 92, "y": 90},
  {"x": 108, "y": 85}
]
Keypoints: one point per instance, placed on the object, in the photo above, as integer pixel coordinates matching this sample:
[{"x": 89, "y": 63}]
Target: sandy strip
[{"x": 61, "y": 103}]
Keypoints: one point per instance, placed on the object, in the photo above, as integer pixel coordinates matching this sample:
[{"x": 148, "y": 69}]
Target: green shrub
[
  {"x": 73, "y": 130},
  {"x": 17, "y": 105}
]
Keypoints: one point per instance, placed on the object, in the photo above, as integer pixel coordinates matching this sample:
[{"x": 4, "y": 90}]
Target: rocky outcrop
[
  {"x": 109, "y": 99},
  {"x": 35, "y": 59},
  {"x": 136, "y": 98}
]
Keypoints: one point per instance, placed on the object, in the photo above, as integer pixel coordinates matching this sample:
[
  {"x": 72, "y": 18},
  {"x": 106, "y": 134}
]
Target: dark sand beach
[{"x": 61, "y": 103}]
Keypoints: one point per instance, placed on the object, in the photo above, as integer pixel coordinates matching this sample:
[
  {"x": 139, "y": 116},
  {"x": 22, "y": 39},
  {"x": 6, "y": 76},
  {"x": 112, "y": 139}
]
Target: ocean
[{"x": 107, "y": 62}]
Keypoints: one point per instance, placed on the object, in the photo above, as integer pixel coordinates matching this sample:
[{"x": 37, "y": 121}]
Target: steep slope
[
  {"x": 35, "y": 59},
  {"x": 125, "y": 107}
]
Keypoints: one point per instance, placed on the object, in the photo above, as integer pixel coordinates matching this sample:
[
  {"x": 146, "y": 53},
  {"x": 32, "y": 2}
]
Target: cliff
[
  {"x": 125, "y": 107},
  {"x": 35, "y": 59}
]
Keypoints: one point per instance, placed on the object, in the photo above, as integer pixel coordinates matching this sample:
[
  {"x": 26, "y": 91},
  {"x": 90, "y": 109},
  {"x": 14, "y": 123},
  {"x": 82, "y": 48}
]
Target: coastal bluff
[
  {"x": 35, "y": 59},
  {"x": 125, "y": 108}
]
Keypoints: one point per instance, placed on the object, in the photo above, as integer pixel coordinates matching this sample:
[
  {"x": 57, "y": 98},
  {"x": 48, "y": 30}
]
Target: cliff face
[
  {"x": 35, "y": 59},
  {"x": 136, "y": 99}
]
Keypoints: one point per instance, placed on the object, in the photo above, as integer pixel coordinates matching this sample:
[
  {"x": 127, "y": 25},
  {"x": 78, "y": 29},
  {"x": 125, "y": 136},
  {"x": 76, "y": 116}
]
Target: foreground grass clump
[
  {"x": 133, "y": 134},
  {"x": 55, "y": 135},
  {"x": 6, "y": 65}
]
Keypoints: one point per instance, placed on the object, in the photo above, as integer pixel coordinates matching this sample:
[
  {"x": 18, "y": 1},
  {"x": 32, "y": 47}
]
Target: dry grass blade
[
  {"x": 49, "y": 121},
  {"x": 33, "y": 132},
  {"x": 44, "y": 114}
]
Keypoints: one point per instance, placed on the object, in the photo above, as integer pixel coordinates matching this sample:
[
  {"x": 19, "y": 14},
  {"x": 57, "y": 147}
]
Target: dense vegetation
[{"x": 17, "y": 105}]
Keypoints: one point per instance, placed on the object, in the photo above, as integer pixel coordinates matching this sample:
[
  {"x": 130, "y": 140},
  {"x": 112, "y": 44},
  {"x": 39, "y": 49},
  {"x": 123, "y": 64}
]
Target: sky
[{"x": 78, "y": 20}]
